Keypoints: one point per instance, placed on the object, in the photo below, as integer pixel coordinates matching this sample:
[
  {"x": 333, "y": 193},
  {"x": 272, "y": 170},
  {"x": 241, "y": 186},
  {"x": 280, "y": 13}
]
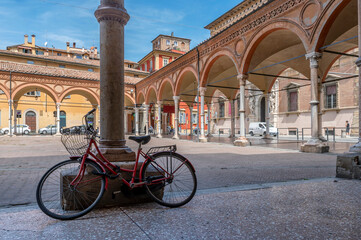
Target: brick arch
[
  {"x": 20, "y": 90},
  {"x": 140, "y": 93},
  {"x": 266, "y": 30},
  {"x": 132, "y": 100},
  {"x": 325, "y": 22},
  {"x": 212, "y": 59},
  {"x": 5, "y": 90},
  {"x": 162, "y": 86},
  {"x": 148, "y": 94},
  {"x": 178, "y": 82},
  {"x": 92, "y": 97}
]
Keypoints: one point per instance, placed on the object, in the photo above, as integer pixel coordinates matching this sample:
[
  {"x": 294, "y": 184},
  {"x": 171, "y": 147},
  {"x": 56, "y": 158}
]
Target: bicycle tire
[
  {"x": 174, "y": 191},
  {"x": 57, "y": 200}
]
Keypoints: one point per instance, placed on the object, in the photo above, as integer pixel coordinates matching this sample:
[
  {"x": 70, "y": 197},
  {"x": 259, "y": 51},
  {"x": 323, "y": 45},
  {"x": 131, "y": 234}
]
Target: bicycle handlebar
[{"x": 85, "y": 119}]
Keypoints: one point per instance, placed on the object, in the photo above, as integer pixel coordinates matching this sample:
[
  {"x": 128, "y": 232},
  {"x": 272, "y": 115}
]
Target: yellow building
[{"x": 34, "y": 80}]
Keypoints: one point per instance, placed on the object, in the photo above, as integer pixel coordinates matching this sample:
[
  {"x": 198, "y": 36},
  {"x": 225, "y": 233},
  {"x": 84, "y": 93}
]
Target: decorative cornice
[{"x": 112, "y": 12}]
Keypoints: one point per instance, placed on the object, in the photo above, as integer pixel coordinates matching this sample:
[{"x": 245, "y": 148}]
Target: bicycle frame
[{"x": 115, "y": 170}]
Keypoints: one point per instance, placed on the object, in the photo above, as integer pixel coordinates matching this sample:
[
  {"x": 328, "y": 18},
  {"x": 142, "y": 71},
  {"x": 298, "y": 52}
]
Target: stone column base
[
  {"x": 57, "y": 134},
  {"x": 175, "y": 137},
  {"x": 118, "y": 154},
  {"x": 348, "y": 165},
  {"x": 241, "y": 142},
  {"x": 356, "y": 148},
  {"x": 315, "y": 146},
  {"x": 159, "y": 136},
  {"x": 203, "y": 139}
]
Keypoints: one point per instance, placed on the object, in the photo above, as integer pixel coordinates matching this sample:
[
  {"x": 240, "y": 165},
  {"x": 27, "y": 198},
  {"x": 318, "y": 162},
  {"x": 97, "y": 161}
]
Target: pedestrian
[{"x": 347, "y": 128}]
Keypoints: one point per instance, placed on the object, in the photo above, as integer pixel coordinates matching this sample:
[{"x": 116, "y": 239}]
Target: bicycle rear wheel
[
  {"x": 58, "y": 199},
  {"x": 170, "y": 179}
]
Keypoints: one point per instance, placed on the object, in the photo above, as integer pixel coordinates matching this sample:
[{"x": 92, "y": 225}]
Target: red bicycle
[{"x": 73, "y": 187}]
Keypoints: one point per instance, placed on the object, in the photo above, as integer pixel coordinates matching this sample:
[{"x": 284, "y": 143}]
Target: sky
[{"x": 59, "y": 21}]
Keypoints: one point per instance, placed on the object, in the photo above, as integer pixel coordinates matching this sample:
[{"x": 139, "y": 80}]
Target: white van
[{"x": 259, "y": 128}]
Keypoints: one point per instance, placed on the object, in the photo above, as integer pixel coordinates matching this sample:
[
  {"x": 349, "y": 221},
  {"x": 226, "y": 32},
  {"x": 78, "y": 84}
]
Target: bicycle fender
[{"x": 178, "y": 155}]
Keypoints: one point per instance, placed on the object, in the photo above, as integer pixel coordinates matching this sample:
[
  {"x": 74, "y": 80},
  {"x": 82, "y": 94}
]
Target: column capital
[
  {"x": 145, "y": 106},
  {"x": 159, "y": 103},
  {"x": 242, "y": 78},
  {"x": 313, "y": 57},
  {"x": 58, "y": 104},
  {"x": 202, "y": 91},
  {"x": 10, "y": 101},
  {"x": 176, "y": 98},
  {"x": 112, "y": 10}
]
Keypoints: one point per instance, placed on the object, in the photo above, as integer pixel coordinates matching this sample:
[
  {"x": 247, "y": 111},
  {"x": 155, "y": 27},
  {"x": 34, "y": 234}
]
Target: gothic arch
[
  {"x": 140, "y": 97},
  {"x": 5, "y": 90}
]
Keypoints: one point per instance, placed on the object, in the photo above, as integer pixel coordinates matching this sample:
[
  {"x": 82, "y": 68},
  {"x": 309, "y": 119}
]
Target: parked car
[
  {"x": 50, "y": 129},
  {"x": 74, "y": 129},
  {"x": 20, "y": 128},
  {"x": 259, "y": 128}
]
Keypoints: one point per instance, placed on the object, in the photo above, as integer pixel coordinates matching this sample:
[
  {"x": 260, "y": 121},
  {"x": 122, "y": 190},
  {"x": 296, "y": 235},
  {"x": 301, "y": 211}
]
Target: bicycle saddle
[{"x": 141, "y": 139}]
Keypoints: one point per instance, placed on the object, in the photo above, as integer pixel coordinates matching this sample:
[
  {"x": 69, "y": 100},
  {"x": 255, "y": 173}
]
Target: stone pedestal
[
  {"x": 348, "y": 165},
  {"x": 241, "y": 141},
  {"x": 315, "y": 146}
]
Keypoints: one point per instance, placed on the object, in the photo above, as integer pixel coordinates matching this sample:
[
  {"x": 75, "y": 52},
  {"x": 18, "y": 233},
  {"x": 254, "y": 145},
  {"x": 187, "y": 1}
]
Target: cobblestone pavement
[{"x": 23, "y": 160}]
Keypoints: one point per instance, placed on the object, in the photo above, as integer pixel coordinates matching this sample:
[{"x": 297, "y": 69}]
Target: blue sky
[{"x": 61, "y": 21}]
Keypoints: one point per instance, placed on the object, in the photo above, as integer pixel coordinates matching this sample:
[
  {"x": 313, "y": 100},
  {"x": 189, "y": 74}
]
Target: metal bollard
[
  {"x": 334, "y": 134},
  {"x": 302, "y": 135},
  {"x": 297, "y": 134}
]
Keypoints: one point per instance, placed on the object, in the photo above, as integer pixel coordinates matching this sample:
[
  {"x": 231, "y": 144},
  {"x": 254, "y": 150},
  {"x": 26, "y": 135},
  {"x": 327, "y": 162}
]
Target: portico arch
[
  {"x": 28, "y": 87},
  {"x": 263, "y": 56},
  {"x": 5, "y": 90},
  {"x": 90, "y": 95}
]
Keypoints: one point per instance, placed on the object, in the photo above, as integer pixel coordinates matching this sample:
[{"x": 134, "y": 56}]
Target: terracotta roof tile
[{"x": 56, "y": 72}]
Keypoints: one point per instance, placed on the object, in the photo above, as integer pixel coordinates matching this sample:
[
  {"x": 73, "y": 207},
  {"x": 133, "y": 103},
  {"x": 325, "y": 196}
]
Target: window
[
  {"x": 194, "y": 118},
  {"x": 33, "y": 94},
  {"x": 38, "y": 52},
  {"x": 30, "y": 62},
  {"x": 331, "y": 97},
  {"x": 91, "y": 70},
  {"x": 67, "y": 97},
  {"x": 293, "y": 101},
  {"x": 151, "y": 66},
  {"x": 26, "y": 51},
  {"x": 62, "y": 66},
  {"x": 165, "y": 62},
  {"x": 58, "y": 54},
  {"x": 168, "y": 42},
  {"x": 130, "y": 66},
  {"x": 175, "y": 43},
  {"x": 78, "y": 56},
  {"x": 221, "y": 108},
  {"x": 136, "y": 75},
  {"x": 182, "y": 118}
]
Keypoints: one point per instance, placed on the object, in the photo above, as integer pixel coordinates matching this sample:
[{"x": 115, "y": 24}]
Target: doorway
[{"x": 30, "y": 120}]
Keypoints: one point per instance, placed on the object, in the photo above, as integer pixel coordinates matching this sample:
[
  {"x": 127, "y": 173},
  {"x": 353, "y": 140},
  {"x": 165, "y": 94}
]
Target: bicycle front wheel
[
  {"x": 59, "y": 199},
  {"x": 170, "y": 179}
]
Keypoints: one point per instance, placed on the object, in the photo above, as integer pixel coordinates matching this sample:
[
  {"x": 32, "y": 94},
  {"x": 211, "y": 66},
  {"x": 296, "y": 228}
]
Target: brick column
[
  {"x": 242, "y": 140},
  {"x": 112, "y": 18},
  {"x": 191, "y": 120},
  {"x": 209, "y": 106}
]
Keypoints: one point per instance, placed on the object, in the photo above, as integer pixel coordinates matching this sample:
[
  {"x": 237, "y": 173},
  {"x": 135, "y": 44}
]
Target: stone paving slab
[
  {"x": 24, "y": 160},
  {"x": 314, "y": 209}
]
